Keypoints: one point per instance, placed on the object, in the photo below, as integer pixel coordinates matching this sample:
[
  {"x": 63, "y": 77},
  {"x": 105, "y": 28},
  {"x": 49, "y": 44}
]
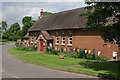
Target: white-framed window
[
  {"x": 70, "y": 39},
  {"x": 31, "y": 38},
  {"x": 35, "y": 38},
  {"x": 43, "y": 43},
  {"x": 63, "y": 38},
  {"x": 57, "y": 39}
]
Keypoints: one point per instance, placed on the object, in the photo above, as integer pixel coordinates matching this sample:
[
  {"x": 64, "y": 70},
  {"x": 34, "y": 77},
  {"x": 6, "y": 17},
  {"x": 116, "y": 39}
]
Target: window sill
[
  {"x": 63, "y": 44},
  {"x": 56, "y": 44},
  {"x": 69, "y": 44}
]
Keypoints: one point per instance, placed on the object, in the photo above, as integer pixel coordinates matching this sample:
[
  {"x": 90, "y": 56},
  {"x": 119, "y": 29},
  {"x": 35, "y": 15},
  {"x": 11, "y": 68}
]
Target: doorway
[{"x": 41, "y": 45}]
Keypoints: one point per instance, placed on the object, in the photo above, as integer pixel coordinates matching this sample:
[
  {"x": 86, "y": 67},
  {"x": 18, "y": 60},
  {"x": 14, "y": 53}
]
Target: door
[{"x": 41, "y": 44}]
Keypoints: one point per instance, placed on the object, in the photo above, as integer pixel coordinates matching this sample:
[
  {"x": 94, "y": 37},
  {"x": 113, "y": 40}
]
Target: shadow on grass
[{"x": 111, "y": 69}]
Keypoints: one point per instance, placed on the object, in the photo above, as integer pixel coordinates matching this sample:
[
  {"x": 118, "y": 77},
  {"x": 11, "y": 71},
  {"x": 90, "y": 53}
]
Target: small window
[
  {"x": 35, "y": 38},
  {"x": 57, "y": 39},
  {"x": 70, "y": 38},
  {"x": 63, "y": 38},
  {"x": 43, "y": 43}
]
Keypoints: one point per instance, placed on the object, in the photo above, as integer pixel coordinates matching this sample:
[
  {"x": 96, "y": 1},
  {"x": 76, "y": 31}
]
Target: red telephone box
[{"x": 41, "y": 45}]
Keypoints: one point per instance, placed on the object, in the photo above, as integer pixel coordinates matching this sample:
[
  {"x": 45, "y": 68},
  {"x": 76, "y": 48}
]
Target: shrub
[
  {"x": 47, "y": 52},
  {"x": 75, "y": 55},
  {"x": 47, "y": 49},
  {"x": 26, "y": 48},
  {"x": 68, "y": 54},
  {"x": 55, "y": 52},
  {"x": 89, "y": 56},
  {"x": 4, "y": 40},
  {"x": 60, "y": 53},
  {"x": 100, "y": 58},
  {"x": 16, "y": 44}
]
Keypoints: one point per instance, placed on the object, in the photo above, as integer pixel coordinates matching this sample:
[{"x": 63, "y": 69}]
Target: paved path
[{"x": 15, "y": 68}]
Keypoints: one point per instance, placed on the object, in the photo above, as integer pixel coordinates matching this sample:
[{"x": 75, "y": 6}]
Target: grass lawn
[
  {"x": 6, "y": 41},
  {"x": 13, "y": 50},
  {"x": 51, "y": 60},
  {"x": 111, "y": 68},
  {"x": 9, "y": 42}
]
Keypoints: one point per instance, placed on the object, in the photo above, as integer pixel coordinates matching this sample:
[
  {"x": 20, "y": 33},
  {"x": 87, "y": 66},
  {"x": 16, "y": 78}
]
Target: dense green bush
[
  {"x": 55, "y": 52},
  {"x": 100, "y": 58},
  {"x": 75, "y": 55},
  {"x": 47, "y": 49},
  {"x": 89, "y": 56},
  {"x": 68, "y": 54},
  {"x": 4, "y": 40},
  {"x": 26, "y": 48}
]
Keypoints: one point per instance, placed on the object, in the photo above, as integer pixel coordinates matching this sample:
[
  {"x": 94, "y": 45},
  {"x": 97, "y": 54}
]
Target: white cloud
[
  {"x": 14, "y": 12},
  {"x": 43, "y": 1}
]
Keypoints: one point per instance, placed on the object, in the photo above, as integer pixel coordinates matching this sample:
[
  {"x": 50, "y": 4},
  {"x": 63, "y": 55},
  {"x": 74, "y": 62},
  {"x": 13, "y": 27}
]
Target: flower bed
[{"x": 76, "y": 55}]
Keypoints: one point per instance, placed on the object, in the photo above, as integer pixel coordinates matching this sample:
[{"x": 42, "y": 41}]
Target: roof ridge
[{"x": 65, "y": 11}]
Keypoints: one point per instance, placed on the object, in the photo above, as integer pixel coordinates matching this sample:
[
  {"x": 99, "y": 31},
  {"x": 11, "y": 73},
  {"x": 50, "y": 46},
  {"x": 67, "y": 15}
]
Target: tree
[
  {"x": 26, "y": 19},
  {"x": 4, "y": 25},
  {"x": 46, "y": 13},
  {"x": 104, "y": 18},
  {"x": 27, "y": 23},
  {"x": 20, "y": 34},
  {"x": 11, "y": 33}
]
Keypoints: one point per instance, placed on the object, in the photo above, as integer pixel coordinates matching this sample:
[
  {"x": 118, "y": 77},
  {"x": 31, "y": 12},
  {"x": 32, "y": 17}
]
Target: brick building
[{"x": 65, "y": 30}]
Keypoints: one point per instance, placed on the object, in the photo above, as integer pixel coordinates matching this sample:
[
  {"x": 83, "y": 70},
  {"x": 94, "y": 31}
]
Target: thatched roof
[
  {"x": 46, "y": 35},
  {"x": 63, "y": 20},
  {"x": 26, "y": 36}
]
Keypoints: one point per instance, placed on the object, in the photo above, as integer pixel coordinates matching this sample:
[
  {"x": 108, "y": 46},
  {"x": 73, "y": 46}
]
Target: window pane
[
  {"x": 63, "y": 38},
  {"x": 56, "y": 35},
  {"x": 70, "y": 42},
  {"x": 70, "y": 35},
  {"x": 70, "y": 38},
  {"x": 63, "y": 35},
  {"x": 64, "y": 42}
]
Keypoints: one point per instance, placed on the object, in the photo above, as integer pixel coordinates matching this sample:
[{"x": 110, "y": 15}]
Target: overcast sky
[{"x": 14, "y": 11}]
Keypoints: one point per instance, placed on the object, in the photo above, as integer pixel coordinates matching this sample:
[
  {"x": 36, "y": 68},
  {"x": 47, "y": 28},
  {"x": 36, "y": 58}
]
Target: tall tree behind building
[
  {"x": 27, "y": 23},
  {"x": 104, "y": 18}
]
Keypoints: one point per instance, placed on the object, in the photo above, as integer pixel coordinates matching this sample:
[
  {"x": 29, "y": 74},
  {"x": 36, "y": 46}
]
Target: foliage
[
  {"x": 27, "y": 23},
  {"x": 4, "y": 40},
  {"x": 104, "y": 18},
  {"x": 89, "y": 56},
  {"x": 75, "y": 55},
  {"x": 99, "y": 58},
  {"x": 26, "y": 48},
  {"x": 20, "y": 34},
  {"x": 4, "y": 25},
  {"x": 26, "y": 19},
  {"x": 46, "y": 13},
  {"x": 11, "y": 33}
]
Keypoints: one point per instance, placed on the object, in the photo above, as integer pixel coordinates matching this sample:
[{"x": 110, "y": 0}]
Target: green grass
[
  {"x": 111, "y": 68},
  {"x": 9, "y": 42},
  {"x": 13, "y": 50},
  {"x": 51, "y": 60}
]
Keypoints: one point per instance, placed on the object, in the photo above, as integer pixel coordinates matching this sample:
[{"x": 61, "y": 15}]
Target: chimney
[{"x": 41, "y": 13}]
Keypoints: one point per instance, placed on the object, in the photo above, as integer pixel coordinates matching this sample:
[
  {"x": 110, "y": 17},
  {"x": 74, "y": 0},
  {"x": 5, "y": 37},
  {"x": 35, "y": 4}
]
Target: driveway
[{"x": 15, "y": 68}]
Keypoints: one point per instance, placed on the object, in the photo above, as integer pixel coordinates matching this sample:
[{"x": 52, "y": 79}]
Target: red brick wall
[
  {"x": 83, "y": 39},
  {"x": 38, "y": 39}
]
